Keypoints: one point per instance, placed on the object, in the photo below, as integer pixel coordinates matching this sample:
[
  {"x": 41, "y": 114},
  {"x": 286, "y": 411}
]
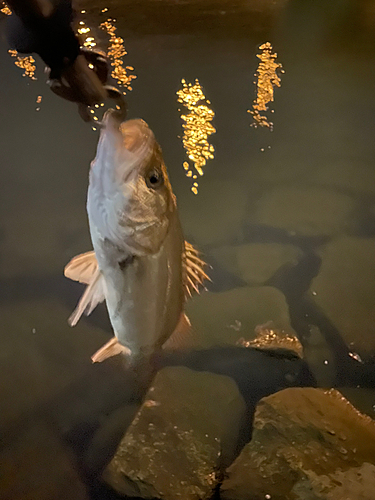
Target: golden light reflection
[
  {"x": 27, "y": 63},
  {"x": 5, "y": 9},
  {"x": 197, "y": 128},
  {"x": 267, "y": 79},
  {"x": 268, "y": 336},
  {"x": 86, "y": 36},
  {"x": 116, "y": 51},
  {"x": 38, "y": 101}
]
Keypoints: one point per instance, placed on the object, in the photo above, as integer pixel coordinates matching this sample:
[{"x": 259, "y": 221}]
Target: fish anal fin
[
  {"x": 82, "y": 268},
  {"x": 108, "y": 350},
  {"x": 182, "y": 337}
]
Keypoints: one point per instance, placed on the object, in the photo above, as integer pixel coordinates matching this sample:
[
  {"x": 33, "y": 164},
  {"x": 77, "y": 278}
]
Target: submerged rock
[
  {"x": 38, "y": 466},
  {"x": 267, "y": 336},
  {"x": 228, "y": 317},
  {"x": 216, "y": 214},
  {"x": 307, "y": 443},
  {"x": 256, "y": 263},
  {"x": 257, "y": 372},
  {"x": 344, "y": 290},
  {"x": 40, "y": 354},
  {"x": 356, "y": 176},
  {"x": 304, "y": 211},
  {"x": 184, "y": 432},
  {"x": 22, "y": 250}
]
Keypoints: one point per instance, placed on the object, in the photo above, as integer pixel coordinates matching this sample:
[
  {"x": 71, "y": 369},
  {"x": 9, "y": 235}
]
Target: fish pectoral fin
[
  {"x": 111, "y": 348},
  {"x": 82, "y": 267},
  {"x": 194, "y": 274},
  {"x": 182, "y": 337},
  {"x": 92, "y": 296}
]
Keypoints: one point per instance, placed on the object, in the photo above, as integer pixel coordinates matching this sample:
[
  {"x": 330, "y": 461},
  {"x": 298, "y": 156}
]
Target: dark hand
[{"x": 44, "y": 27}]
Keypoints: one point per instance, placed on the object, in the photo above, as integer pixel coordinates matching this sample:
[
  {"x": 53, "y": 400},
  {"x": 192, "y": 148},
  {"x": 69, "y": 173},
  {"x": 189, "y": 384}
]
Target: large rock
[
  {"x": 344, "y": 289},
  {"x": 186, "y": 429},
  {"x": 304, "y": 211},
  {"x": 216, "y": 214},
  {"x": 307, "y": 444},
  {"x": 38, "y": 466},
  {"x": 256, "y": 263},
  {"x": 227, "y": 317}
]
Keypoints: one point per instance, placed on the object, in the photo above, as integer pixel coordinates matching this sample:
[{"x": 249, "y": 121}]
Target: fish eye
[{"x": 154, "y": 178}]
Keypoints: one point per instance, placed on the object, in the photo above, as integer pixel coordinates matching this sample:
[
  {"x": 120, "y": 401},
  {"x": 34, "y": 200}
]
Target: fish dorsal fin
[
  {"x": 82, "y": 267},
  {"x": 194, "y": 274},
  {"x": 85, "y": 269}
]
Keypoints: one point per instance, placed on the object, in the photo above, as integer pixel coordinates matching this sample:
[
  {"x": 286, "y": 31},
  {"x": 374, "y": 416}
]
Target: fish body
[{"x": 141, "y": 264}]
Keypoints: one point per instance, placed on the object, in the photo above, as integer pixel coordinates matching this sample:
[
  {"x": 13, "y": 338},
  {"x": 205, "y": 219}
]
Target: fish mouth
[
  {"x": 136, "y": 135},
  {"x": 124, "y": 147}
]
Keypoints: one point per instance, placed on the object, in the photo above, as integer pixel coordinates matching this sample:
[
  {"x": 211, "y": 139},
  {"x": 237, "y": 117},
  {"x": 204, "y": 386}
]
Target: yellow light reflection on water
[
  {"x": 267, "y": 79},
  {"x": 197, "y": 128},
  {"x": 116, "y": 52},
  {"x": 5, "y": 9},
  {"x": 27, "y": 63},
  {"x": 86, "y": 35}
]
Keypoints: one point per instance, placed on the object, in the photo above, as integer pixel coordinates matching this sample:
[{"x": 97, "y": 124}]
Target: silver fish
[{"x": 141, "y": 265}]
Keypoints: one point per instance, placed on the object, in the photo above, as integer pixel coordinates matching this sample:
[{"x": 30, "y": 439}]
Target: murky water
[{"x": 285, "y": 217}]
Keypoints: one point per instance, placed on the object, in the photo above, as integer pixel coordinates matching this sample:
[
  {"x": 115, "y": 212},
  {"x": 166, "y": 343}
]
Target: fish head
[{"x": 130, "y": 201}]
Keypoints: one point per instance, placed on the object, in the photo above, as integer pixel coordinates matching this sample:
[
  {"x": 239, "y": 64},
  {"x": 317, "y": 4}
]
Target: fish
[{"x": 140, "y": 264}]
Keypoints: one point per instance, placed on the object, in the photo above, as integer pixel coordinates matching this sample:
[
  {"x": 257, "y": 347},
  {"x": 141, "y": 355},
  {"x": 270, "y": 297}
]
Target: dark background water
[{"x": 321, "y": 150}]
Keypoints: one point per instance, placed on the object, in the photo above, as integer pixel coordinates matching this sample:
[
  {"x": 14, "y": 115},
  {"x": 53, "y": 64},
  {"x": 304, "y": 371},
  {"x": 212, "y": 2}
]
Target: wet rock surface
[
  {"x": 344, "y": 290},
  {"x": 267, "y": 336},
  {"x": 307, "y": 443},
  {"x": 256, "y": 263},
  {"x": 227, "y": 317},
  {"x": 306, "y": 211},
  {"x": 185, "y": 431}
]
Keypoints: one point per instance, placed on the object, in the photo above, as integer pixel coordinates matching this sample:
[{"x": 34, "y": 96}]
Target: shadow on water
[{"x": 294, "y": 282}]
